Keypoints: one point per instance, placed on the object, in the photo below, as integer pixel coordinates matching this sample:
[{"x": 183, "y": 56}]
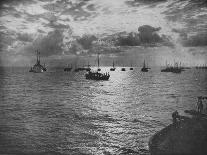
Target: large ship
[
  {"x": 38, "y": 68},
  {"x": 174, "y": 69}
]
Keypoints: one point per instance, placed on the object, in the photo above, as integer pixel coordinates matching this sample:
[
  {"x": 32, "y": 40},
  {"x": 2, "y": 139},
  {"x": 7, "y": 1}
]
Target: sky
[{"x": 127, "y": 31}]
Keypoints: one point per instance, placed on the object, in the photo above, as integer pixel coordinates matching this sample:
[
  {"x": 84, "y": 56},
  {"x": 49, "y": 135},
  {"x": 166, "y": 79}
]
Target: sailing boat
[
  {"x": 113, "y": 69},
  {"x": 38, "y": 68},
  {"x": 88, "y": 68},
  {"x": 131, "y": 68},
  {"x": 123, "y": 69},
  {"x": 144, "y": 68},
  {"x": 99, "y": 69}
]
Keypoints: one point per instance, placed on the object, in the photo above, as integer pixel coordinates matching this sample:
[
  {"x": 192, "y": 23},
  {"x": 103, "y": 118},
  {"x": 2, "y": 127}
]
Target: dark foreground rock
[{"x": 189, "y": 138}]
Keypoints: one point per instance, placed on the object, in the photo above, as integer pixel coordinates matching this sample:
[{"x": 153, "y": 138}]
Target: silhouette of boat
[
  {"x": 131, "y": 68},
  {"x": 38, "y": 68},
  {"x": 144, "y": 68},
  {"x": 123, "y": 68},
  {"x": 99, "y": 69},
  {"x": 97, "y": 76},
  {"x": 68, "y": 69},
  {"x": 113, "y": 68},
  {"x": 173, "y": 69}
]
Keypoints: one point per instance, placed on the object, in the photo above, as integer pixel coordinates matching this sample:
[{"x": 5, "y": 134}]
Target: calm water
[{"x": 62, "y": 113}]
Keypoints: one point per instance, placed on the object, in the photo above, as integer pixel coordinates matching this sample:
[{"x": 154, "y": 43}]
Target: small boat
[
  {"x": 113, "y": 68},
  {"x": 97, "y": 76},
  {"x": 144, "y": 68},
  {"x": 123, "y": 68},
  {"x": 131, "y": 68},
  {"x": 99, "y": 69}
]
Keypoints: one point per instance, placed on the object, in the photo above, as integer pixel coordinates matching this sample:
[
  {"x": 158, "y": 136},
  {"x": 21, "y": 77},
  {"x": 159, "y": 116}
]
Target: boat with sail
[
  {"x": 144, "y": 68},
  {"x": 131, "y": 68},
  {"x": 96, "y": 75},
  {"x": 113, "y": 68},
  {"x": 38, "y": 68}
]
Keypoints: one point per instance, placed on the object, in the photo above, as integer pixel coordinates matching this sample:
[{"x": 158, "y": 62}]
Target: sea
[{"x": 62, "y": 113}]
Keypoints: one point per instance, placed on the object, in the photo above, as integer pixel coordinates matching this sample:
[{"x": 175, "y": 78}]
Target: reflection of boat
[
  {"x": 68, "y": 69},
  {"x": 97, "y": 76},
  {"x": 144, "y": 68},
  {"x": 38, "y": 68},
  {"x": 113, "y": 69}
]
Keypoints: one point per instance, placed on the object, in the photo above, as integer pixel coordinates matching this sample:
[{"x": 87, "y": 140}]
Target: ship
[
  {"x": 38, "y": 68},
  {"x": 173, "y": 69},
  {"x": 144, "y": 68},
  {"x": 113, "y": 68},
  {"x": 68, "y": 69},
  {"x": 97, "y": 75}
]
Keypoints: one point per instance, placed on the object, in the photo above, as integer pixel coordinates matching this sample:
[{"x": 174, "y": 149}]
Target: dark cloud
[
  {"x": 199, "y": 39},
  {"x": 135, "y": 3},
  {"x": 86, "y": 41},
  {"x": 146, "y": 36},
  {"x": 6, "y": 40},
  {"x": 25, "y": 37},
  {"x": 51, "y": 44}
]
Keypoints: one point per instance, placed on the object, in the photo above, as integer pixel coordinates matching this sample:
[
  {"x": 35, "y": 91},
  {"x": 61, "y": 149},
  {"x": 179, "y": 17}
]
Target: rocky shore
[{"x": 188, "y": 138}]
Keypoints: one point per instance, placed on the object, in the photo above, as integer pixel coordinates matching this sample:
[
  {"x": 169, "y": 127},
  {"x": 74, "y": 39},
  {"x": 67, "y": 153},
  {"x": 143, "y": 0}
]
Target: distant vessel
[
  {"x": 174, "y": 69},
  {"x": 131, "y": 68},
  {"x": 38, "y": 68},
  {"x": 144, "y": 68},
  {"x": 113, "y": 68},
  {"x": 68, "y": 69},
  {"x": 97, "y": 76},
  {"x": 123, "y": 68},
  {"x": 201, "y": 67},
  {"x": 99, "y": 69}
]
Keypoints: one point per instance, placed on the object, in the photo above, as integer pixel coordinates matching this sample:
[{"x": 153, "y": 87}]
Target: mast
[
  {"x": 98, "y": 60},
  {"x": 37, "y": 56},
  {"x": 144, "y": 64}
]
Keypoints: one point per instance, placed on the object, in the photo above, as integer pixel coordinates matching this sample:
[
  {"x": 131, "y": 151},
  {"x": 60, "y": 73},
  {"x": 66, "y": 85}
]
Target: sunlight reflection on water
[{"x": 61, "y": 112}]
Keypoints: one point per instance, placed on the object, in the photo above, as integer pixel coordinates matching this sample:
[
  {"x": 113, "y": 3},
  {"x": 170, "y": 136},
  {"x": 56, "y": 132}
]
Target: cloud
[
  {"x": 199, "y": 39},
  {"x": 25, "y": 37},
  {"x": 86, "y": 41},
  {"x": 136, "y": 3},
  {"x": 146, "y": 36},
  {"x": 49, "y": 45}
]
